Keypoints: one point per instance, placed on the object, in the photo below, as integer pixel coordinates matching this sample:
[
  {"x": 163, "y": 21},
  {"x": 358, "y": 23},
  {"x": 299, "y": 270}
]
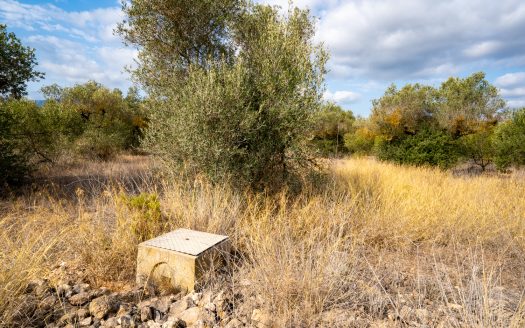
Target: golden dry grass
[{"x": 376, "y": 244}]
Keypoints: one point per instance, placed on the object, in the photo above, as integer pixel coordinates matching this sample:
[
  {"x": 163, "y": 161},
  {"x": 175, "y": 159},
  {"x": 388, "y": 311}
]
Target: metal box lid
[{"x": 186, "y": 241}]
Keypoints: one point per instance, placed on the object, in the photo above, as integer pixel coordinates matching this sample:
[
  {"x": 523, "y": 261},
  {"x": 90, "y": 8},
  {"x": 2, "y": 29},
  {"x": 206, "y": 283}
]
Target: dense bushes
[
  {"x": 88, "y": 121},
  {"x": 12, "y": 158},
  {"x": 423, "y": 125},
  {"x": 427, "y": 147},
  {"x": 330, "y": 125},
  {"x": 509, "y": 141}
]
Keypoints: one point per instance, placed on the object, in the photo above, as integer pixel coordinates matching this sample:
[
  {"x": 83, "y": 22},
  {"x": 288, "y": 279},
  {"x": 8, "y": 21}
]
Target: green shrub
[
  {"x": 428, "y": 147},
  {"x": 143, "y": 216},
  {"x": 330, "y": 125},
  {"x": 13, "y": 160},
  {"x": 509, "y": 141}
]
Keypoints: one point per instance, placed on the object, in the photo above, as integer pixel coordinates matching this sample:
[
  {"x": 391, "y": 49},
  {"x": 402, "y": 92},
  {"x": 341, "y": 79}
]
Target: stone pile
[{"x": 78, "y": 305}]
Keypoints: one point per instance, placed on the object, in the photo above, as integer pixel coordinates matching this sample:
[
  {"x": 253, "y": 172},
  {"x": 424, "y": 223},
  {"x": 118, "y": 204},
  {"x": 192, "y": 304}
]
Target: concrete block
[{"x": 180, "y": 258}]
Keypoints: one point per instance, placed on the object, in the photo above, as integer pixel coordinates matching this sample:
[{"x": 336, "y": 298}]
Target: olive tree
[{"x": 243, "y": 115}]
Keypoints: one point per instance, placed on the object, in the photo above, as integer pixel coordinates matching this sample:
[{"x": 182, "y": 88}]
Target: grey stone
[
  {"x": 82, "y": 313},
  {"x": 174, "y": 323},
  {"x": 80, "y": 299},
  {"x": 111, "y": 323},
  {"x": 191, "y": 316},
  {"x": 126, "y": 321},
  {"x": 65, "y": 290},
  {"x": 100, "y": 307},
  {"x": 180, "y": 306},
  {"x": 86, "y": 322},
  {"x": 68, "y": 317},
  {"x": 233, "y": 323},
  {"x": 146, "y": 313}
]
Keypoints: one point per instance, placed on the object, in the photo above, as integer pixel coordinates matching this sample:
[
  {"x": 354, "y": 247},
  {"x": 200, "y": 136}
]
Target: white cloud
[
  {"x": 72, "y": 47},
  {"x": 384, "y": 39},
  {"x": 511, "y": 79},
  {"x": 343, "y": 97},
  {"x": 512, "y": 87}
]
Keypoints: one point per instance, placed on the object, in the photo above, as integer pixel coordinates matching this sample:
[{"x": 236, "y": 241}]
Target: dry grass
[{"x": 377, "y": 244}]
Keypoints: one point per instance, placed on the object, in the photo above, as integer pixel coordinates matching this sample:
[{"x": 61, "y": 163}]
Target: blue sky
[{"x": 372, "y": 43}]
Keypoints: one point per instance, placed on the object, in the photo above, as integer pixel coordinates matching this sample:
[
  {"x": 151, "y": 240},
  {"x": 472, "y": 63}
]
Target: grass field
[{"x": 374, "y": 245}]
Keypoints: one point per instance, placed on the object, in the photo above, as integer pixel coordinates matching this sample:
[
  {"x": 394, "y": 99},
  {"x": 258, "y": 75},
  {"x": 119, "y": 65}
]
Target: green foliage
[
  {"x": 98, "y": 122},
  {"x": 17, "y": 65},
  {"x": 30, "y": 135},
  {"x": 242, "y": 115},
  {"x": 509, "y": 141},
  {"x": 143, "y": 215},
  {"x": 175, "y": 35},
  {"x": 12, "y": 158},
  {"x": 423, "y": 125},
  {"x": 465, "y": 103},
  {"x": 403, "y": 112},
  {"x": 478, "y": 147},
  {"x": 361, "y": 139},
  {"x": 331, "y": 124},
  {"x": 428, "y": 147}
]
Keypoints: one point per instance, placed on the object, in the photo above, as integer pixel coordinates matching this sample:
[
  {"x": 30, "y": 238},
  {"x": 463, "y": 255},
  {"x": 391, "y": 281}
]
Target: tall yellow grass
[{"x": 376, "y": 244}]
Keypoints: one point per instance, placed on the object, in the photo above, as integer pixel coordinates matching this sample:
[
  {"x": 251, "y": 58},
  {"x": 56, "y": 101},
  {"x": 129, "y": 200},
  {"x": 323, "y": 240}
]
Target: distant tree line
[
  {"x": 465, "y": 119},
  {"x": 84, "y": 121}
]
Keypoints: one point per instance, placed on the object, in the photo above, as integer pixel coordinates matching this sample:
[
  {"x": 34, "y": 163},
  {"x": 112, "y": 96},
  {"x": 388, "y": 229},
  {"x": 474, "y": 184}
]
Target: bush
[
  {"x": 97, "y": 122},
  {"x": 478, "y": 147},
  {"x": 143, "y": 217},
  {"x": 245, "y": 121},
  {"x": 12, "y": 159},
  {"x": 509, "y": 141},
  {"x": 331, "y": 124},
  {"x": 428, "y": 147}
]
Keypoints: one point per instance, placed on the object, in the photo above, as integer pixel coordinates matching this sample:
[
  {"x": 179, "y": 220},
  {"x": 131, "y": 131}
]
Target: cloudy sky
[{"x": 372, "y": 43}]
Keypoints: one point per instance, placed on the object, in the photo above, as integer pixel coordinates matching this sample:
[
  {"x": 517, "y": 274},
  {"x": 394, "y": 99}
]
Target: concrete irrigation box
[{"x": 180, "y": 258}]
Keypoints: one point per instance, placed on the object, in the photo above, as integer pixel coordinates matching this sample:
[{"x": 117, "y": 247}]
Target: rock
[
  {"x": 80, "y": 299},
  {"x": 69, "y": 317},
  {"x": 195, "y": 297},
  {"x": 174, "y": 323},
  {"x": 111, "y": 323},
  {"x": 261, "y": 318},
  {"x": 191, "y": 316},
  {"x": 233, "y": 323},
  {"x": 131, "y": 296},
  {"x": 210, "y": 307},
  {"x": 38, "y": 287},
  {"x": 86, "y": 322},
  {"x": 48, "y": 302},
  {"x": 64, "y": 290},
  {"x": 163, "y": 304},
  {"x": 157, "y": 315},
  {"x": 124, "y": 309},
  {"x": 146, "y": 313},
  {"x": 81, "y": 287},
  {"x": 82, "y": 313},
  {"x": 99, "y": 292},
  {"x": 100, "y": 307},
  {"x": 180, "y": 306},
  {"x": 126, "y": 321},
  {"x": 153, "y": 324}
]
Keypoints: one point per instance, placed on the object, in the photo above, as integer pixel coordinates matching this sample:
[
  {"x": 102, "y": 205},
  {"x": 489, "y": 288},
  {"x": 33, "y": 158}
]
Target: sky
[{"x": 372, "y": 43}]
